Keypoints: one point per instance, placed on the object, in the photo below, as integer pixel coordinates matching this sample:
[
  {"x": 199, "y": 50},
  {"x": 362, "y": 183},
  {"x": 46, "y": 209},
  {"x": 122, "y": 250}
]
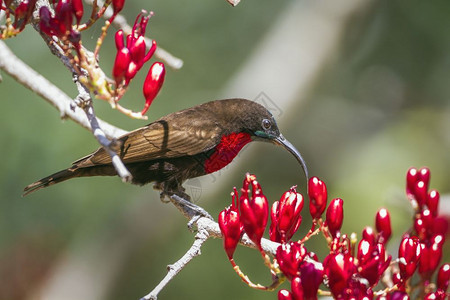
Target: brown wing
[{"x": 175, "y": 135}]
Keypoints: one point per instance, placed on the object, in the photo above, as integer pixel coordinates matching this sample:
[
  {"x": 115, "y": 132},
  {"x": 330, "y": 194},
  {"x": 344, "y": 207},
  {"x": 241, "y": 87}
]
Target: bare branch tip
[{"x": 233, "y": 2}]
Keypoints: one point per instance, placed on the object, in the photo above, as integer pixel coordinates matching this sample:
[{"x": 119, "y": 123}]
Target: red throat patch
[{"x": 226, "y": 151}]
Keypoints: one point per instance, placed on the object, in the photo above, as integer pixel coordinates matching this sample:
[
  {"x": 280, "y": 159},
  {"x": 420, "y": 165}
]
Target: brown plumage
[{"x": 182, "y": 145}]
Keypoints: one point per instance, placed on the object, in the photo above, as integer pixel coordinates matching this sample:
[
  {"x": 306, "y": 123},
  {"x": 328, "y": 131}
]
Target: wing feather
[{"x": 168, "y": 137}]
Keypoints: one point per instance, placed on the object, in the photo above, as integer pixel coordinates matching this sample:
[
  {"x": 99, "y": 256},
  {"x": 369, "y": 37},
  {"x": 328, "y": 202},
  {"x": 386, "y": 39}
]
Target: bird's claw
[{"x": 192, "y": 211}]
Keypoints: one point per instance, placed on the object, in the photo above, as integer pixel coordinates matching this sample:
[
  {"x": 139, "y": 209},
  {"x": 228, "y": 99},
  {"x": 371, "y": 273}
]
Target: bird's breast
[{"x": 226, "y": 151}]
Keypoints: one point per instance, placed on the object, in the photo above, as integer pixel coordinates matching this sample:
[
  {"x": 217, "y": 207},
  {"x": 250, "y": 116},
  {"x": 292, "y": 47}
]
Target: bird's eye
[{"x": 266, "y": 124}]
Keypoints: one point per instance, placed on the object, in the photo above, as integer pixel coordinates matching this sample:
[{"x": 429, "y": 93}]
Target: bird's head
[{"x": 260, "y": 123}]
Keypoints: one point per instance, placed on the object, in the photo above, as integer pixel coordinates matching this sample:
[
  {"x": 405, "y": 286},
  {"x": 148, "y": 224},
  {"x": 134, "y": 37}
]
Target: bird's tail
[{"x": 53, "y": 179}]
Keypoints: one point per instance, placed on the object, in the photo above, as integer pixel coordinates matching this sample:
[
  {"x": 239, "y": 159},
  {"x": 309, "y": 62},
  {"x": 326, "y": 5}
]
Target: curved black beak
[{"x": 281, "y": 141}]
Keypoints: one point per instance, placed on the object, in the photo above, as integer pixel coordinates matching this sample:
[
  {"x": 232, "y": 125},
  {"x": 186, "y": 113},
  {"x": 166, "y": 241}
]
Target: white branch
[
  {"x": 84, "y": 101},
  {"x": 206, "y": 228},
  {"x": 32, "y": 80}
]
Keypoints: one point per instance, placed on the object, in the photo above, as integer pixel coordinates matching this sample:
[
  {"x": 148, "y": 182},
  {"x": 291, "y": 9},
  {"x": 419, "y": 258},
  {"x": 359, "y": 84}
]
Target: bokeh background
[{"x": 362, "y": 88}]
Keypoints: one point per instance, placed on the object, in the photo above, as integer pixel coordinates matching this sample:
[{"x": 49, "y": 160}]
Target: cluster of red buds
[
  {"x": 61, "y": 24},
  {"x": 352, "y": 269},
  {"x": 131, "y": 57},
  {"x": 22, "y": 14}
]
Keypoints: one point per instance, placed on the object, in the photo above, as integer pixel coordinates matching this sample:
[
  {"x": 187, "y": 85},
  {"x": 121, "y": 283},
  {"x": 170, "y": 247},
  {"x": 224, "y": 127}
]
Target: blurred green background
[{"x": 377, "y": 104}]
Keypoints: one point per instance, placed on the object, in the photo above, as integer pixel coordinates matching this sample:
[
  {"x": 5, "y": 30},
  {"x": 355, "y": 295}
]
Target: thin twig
[
  {"x": 195, "y": 250},
  {"x": 233, "y": 2},
  {"x": 35, "y": 82},
  {"x": 120, "y": 22},
  {"x": 84, "y": 101},
  {"x": 206, "y": 228}
]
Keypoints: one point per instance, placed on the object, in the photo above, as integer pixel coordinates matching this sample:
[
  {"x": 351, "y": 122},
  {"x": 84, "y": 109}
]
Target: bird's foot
[
  {"x": 166, "y": 193},
  {"x": 192, "y": 211}
]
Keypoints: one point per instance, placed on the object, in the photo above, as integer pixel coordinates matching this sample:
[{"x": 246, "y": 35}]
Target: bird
[{"x": 186, "y": 144}]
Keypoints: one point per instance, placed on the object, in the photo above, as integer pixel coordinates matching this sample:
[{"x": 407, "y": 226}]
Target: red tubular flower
[
  {"x": 23, "y": 13},
  {"x": 369, "y": 235},
  {"x": 433, "y": 202},
  {"x": 230, "y": 226},
  {"x": 285, "y": 216},
  {"x": 77, "y": 6},
  {"x": 118, "y": 38},
  {"x": 45, "y": 17},
  {"x": 289, "y": 257},
  {"x": 443, "y": 277},
  {"x": 117, "y": 7},
  {"x": 409, "y": 254},
  {"x": 254, "y": 210},
  {"x": 61, "y": 24},
  {"x": 372, "y": 261},
  {"x": 365, "y": 250},
  {"x": 285, "y": 295},
  {"x": 339, "y": 269},
  {"x": 417, "y": 182},
  {"x": 411, "y": 179},
  {"x": 311, "y": 274},
  {"x": 317, "y": 191},
  {"x": 153, "y": 83},
  {"x": 421, "y": 193},
  {"x": 135, "y": 43},
  {"x": 297, "y": 289},
  {"x": 335, "y": 216},
  {"x": 431, "y": 256},
  {"x": 383, "y": 225},
  {"x": 121, "y": 64}
]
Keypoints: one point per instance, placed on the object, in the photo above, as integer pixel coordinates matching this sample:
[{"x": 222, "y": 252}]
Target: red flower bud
[
  {"x": 63, "y": 18},
  {"x": 289, "y": 257},
  {"x": 285, "y": 295},
  {"x": 137, "y": 50},
  {"x": 311, "y": 274},
  {"x": 427, "y": 218},
  {"x": 372, "y": 261},
  {"x": 443, "y": 277},
  {"x": 339, "y": 269},
  {"x": 383, "y": 224},
  {"x": 431, "y": 256},
  {"x": 369, "y": 235},
  {"x": 153, "y": 83},
  {"x": 254, "y": 210},
  {"x": 135, "y": 43},
  {"x": 285, "y": 216},
  {"x": 335, "y": 216},
  {"x": 230, "y": 226},
  {"x": 117, "y": 6},
  {"x": 424, "y": 175},
  {"x": 365, "y": 249},
  {"x": 417, "y": 185},
  {"x": 44, "y": 23},
  {"x": 77, "y": 6},
  {"x": 441, "y": 225},
  {"x": 118, "y": 38},
  {"x": 317, "y": 191},
  {"x": 22, "y": 13},
  {"x": 297, "y": 289},
  {"x": 421, "y": 193},
  {"x": 409, "y": 254},
  {"x": 121, "y": 65},
  {"x": 411, "y": 178},
  {"x": 433, "y": 202}
]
